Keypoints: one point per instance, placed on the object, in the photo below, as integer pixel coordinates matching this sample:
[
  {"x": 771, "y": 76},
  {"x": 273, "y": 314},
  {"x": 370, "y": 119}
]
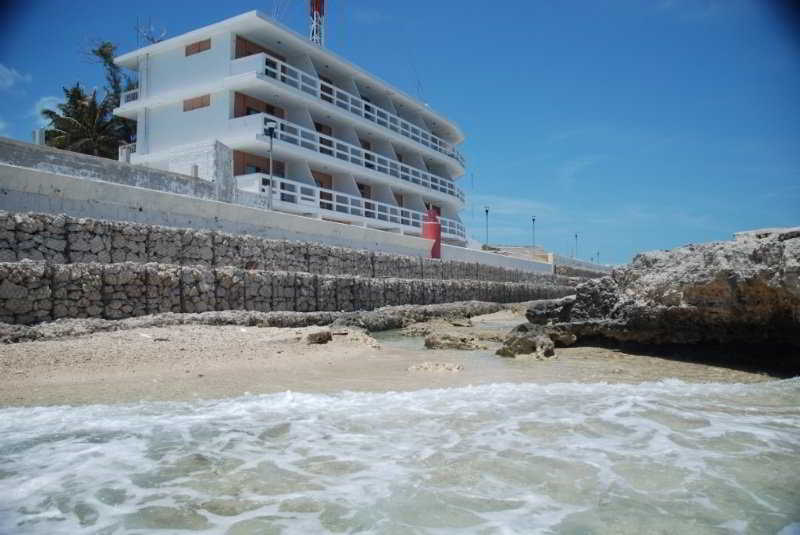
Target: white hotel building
[{"x": 348, "y": 146}]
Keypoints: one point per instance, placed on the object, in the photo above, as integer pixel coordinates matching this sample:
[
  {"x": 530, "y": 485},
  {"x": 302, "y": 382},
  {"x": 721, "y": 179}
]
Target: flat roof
[{"x": 255, "y": 21}]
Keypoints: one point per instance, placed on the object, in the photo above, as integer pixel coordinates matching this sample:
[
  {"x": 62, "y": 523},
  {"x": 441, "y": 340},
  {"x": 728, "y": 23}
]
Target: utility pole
[
  {"x": 576, "y": 246},
  {"x": 270, "y": 128},
  {"x": 533, "y": 236},
  {"x": 487, "y": 225}
]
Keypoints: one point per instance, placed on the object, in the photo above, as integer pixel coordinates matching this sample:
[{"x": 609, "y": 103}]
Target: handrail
[
  {"x": 129, "y": 96},
  {"x": 305, "y": 195},
  {"x": 294, "y": 77},
  {"x": 336, "y": 148}
]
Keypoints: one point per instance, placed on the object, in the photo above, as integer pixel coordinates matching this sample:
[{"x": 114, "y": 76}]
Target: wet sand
[{"x": 197, "y": 361}]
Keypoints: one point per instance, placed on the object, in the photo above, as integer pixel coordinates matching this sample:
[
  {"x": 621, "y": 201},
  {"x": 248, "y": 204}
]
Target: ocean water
[{"x": 666, "y": 457}]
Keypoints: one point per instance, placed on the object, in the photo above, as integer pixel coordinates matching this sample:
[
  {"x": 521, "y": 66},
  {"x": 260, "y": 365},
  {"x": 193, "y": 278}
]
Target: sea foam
[{"x": 500, "y": 458}]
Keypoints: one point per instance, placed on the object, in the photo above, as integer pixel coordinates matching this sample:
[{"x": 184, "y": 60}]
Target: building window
[
  {"x": 197, "y": 102},
  {"x": 251, "y": 111},
  {"x": 199, "y": 46}
]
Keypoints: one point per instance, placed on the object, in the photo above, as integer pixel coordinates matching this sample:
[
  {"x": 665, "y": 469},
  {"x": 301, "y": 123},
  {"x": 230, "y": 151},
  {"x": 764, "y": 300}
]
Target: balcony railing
[
  {"x": 297, "y": 196},
  {"x": 345, "y": 100},
  {"x": 130, "y": 96},
  {"x": 341, "y": 150}
]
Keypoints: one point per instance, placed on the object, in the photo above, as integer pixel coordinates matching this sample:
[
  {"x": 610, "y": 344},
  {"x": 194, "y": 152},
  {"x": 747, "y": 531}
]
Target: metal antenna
[{"x": 317, "y": 12}]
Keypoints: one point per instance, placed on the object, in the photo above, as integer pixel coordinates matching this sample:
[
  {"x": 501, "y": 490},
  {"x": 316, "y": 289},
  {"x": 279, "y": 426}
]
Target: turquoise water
[{"x": 664, "y": 457}]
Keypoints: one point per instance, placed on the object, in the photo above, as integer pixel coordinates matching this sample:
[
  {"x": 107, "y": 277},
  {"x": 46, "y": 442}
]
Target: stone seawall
[
  {"x": 34, "y": 292},
  {"x": 60, "y": 239},
  {"x": 572, "y": 271}
]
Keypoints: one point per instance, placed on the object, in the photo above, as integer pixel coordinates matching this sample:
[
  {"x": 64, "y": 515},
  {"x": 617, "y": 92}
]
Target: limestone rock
[
  {"x": 745, "y": 291},
  {"x": 452, "y": 341},
  {"x": 530, "y": 343},
  {"x": 550, "y": 310},
  {"x": 319, "y": 336}
]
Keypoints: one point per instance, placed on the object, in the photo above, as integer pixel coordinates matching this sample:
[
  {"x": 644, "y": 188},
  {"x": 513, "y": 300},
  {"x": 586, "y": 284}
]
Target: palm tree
[{"x": 82, "y": 124}]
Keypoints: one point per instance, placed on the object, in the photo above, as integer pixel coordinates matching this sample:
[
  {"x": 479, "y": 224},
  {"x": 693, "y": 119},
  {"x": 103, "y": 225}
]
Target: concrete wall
[
  {"x": 172, "y": 127},
  {"x": 33, "y": 292},
  {"x": 173, "y": 70}
]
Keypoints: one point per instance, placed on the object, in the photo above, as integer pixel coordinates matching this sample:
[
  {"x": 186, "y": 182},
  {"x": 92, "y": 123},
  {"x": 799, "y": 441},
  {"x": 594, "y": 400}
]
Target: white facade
[{"x": 349, "y": 147}]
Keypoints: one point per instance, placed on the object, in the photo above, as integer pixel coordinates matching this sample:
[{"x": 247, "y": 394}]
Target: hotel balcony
[
  {"x": 294, "y": 81},
  {"x": 276, "y": 70},
  {"x": 249, "y": 133},
  {"x": 303, "y": 199}
]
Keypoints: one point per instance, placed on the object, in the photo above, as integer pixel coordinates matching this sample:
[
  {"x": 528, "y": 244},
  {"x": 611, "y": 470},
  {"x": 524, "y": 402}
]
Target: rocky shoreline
[
  {"x": 742, "y": 294},
  {"x": 386, "y": 318}
]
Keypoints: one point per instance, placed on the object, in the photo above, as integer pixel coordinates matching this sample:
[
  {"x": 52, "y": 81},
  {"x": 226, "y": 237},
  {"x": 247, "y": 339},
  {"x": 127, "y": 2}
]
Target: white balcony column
[
  {"x": 386, "y": 103},
  {"x": 384, "y": 148},
  {"x": 414, "y": 160},
  {"x": 440, "y": 170},
  {"x": 142, "y": 137},
  {"x": 300, "y": 172},
  {"x": 383, "y": 193},
  {"x": 300, "y": 116},
  {"x": 346, "y": 132},
  {"x": 345, "y": 183},
  {"x": 304, "y": 63},
  {"x": 349, "y": 85},
  {"x": 413, "y": 201}
]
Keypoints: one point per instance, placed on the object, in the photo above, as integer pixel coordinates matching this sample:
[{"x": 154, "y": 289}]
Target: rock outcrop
[
  {"x": 452, "y": 341},
  {"x": 745, "y": 291}
]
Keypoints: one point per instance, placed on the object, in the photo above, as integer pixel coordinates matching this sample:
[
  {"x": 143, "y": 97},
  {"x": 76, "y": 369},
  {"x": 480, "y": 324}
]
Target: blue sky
[{"x": 637, "y": 124}]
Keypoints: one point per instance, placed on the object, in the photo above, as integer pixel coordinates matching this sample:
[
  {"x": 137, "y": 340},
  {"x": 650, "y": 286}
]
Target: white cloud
[
  {"x": 9, "y": 77},
  {"x": 44, "y": 103}
]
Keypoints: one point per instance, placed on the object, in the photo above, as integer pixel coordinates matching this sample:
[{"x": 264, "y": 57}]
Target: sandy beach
[{"x": 205, "y": 362}]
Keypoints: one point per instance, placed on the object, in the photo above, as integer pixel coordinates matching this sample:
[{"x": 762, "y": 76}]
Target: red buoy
[{"x": 432, "y": 230}]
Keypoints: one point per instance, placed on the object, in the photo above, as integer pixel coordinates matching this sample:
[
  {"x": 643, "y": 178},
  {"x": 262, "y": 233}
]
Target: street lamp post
[
  {"x": 533, "y": 236},
  {"x": 486, "y": 208},
  {"x": 576, "y": 246},
  {"x": 270, "y": 128}
]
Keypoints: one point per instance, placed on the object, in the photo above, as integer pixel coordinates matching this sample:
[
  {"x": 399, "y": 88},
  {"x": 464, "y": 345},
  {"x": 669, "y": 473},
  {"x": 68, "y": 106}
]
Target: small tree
[
  {"x": 117, "y": 82},
  {"x": 88, "y": 125},
  {"x": 82, "y": 124}
]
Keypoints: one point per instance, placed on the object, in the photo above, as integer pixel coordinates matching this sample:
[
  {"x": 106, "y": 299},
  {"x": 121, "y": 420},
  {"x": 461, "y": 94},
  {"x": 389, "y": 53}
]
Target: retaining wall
[
  {"x": 33, "y": 292},
  {"x": 61, "y": 239}
]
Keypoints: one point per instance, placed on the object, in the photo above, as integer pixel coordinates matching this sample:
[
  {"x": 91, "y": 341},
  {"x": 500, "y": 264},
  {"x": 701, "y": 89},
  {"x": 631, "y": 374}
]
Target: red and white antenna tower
[{"x": 317, "y": 35}]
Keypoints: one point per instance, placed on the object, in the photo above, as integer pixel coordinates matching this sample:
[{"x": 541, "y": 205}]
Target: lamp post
[
  {"x": 576, "y": 246},
  {"x": 533, "y": 236},
  {"x": 270, "y": 127},
  {"x": 486, "y": 208}
]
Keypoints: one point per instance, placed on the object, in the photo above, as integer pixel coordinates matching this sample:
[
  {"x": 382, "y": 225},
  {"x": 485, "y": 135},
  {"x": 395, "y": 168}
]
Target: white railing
[
  {"x": 341, "y": 150},
  {"x": 130, "y": 96},
  {"x": 124, "y": 152},
  {"x": 297, "y": 196},
  {"x": 345, "y": 100}
]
